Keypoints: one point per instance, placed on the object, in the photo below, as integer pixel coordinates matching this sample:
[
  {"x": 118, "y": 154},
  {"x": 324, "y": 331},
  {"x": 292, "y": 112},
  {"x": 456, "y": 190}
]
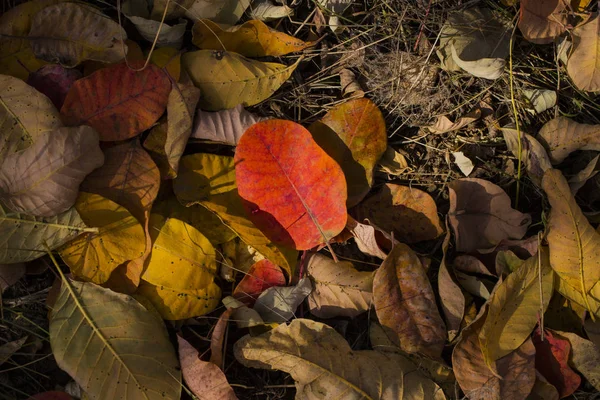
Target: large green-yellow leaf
[
  {"x": 25, "y": 114},
  {"x": 112, "y": 346},
  {"x": 325, "y": 367},
  {"x": 23, "y": 236},
  {"x": 209, "y": 180},
  {"x": 228, "y": 79},
  {"x": 573, "y": 294},
  {"x": 515, "y": 306},
  {"x": 120, "y": 238},
  {"x": 574, "y": 244}
]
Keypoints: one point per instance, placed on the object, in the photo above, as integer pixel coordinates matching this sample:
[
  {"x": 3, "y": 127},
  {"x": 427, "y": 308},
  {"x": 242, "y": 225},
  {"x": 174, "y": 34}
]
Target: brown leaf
[
  {"x": 443, "y": 124},
  {"x": 370, "y": 239},
  {"x": 561, "y": 136},
  {"x": 583, "y": 65},
  {"x": 542, "y": 21},
  {"x": 408, "y": 212},
  {"x": 481, "y": 215},
  {"x": 339, "y": 289},
  {"x": 451, "y": 296},
  {"x": 533, "y": 154},
  {"x": 43, "y": 180},
  {"x": 405, "y": 303},
  {"x": 542, "y": 390},
  {"x": 225, "y": 126},
  {"x": 218, "y": 338}
]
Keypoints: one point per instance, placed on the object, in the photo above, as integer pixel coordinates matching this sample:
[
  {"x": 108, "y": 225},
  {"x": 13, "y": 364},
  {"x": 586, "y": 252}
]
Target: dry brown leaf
[
  {"x": 481, "y": 215},
  {"x": 218, "y": 338},
  {"x": 43, "y": 180},
  {"x": 574, "y": 244},
  {"x": 451, "y": 296},
  {"x": 405, "y": 303},
  {"x": 408, "y": 212},
  {"x": 325, "y": 367},
  {"x": 533, "y": 154},
  {"x": 561, "y": 136},
  {"x": 443, "y": 124},
  {"x": 349, "y": 85},
  {"x": 370, "y": 239},
  {"x": 583, "y": 65},
  {"x": 393, "y": 163},
  {"x": 226, "y": 126},
  {"x": 339, "y": 289},
  {"x": 542, "y": 21}
]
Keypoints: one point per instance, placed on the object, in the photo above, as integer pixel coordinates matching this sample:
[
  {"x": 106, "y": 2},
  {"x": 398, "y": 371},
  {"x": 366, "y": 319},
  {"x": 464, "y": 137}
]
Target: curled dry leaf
[
  {"x": 405, "y": 303},
  {"x": 481, "y": 215},
  {"x": 252, "y": 39},
  {"x": 533, "y": 154},
  {"x": 583, "y": 65},
  {"x": 205, "y": 379},
  {"x": 464, "y": 163},
  {"x": 514, "y": 374},
  {"x": 574, "y": 244},
  {"x": 225, "y": 126},
  {"x": 218, "y": 338},
  {"x": 170, "y": 35},
  {"x": 408, "y": 212},
  {"x": 132, "y": 101},
  {"x": 209, "y": 180},
  {"x": 324, "y": 366},
  {"x": 261, "y": 276},
  {"x": 561, "y": 136},
  {"x": 542, "y": 21},
  {"x": 370, "y": 239},
  {"x": 443, "y": 124},
  {"x": 24, "y": 235},
  {"x": 223, "y": 12},
  {"x": 452, "y": 298},
  {"x": 54, "y": 81},
  {"x": 339, "y": 289},
  {"x": 279, "y": 304},
  {"x": 88, "y": 35},
  {"x": 25, "y": 114},
  {"x": 585, "y": 357},
  {"x": 120, "y": 238},
  {"x": 293, "y": 191},
  {"x": 353, "y": 134},
  {"x": 89, "y": 322},
  {"x": 540, "y": 100},
  {"x": 265, "y": 10},
  {"x": 43, "y": 180},
  {"x": 515, "y": 306},
  {"x": 227, "y": 79},
  {"x": 393, "y": 163},
  {"x": 552, "y": 361}
]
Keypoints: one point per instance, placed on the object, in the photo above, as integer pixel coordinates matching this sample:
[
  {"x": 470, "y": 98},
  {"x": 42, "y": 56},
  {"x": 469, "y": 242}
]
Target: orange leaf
[
  {"x": 293, "y": 191},
  {"x": 118, "y": 102},
  {"x": 261, "y": 276}
]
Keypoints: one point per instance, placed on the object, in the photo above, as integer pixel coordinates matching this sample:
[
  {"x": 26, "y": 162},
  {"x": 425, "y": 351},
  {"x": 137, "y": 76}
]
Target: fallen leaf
[
  {"x": 243, "y": 316},
  {"x": 592, "y": 330},
  {"x": 515, "y": 372},
  {"x": 323, "y": 364},
  {"x": 89, "y": 35},
  {"x": 205, "y": 379},
  {"x": 251, "y": 39},
  {"x": 452, "y": 298},
  {"x": 265, "y": 10},
  {"x": 261, "y": 276},
  {"x": 225, "y": 126},
  {"x": 176, "y": 304},
  {"x": 306, "y": 188},
  {"x": 405, "y": 303},
  {"x": 574, "y": 244},
  {"x": 507, "y": 262},
  {"x": 475, "y": 41},
  {"x": 93, "y": 256},
  {"x": 24, "y": 235},
  {"x": 169, "y": 36},
  {"x": 463, "y": 163},
  {"x": 393, "y": 163},
  {"x": 585, "y": 357},
  {"x": 481, "y": 216},
  {"x": 9, "y": 275},
  {"x": 444, "y": 125},
  {"x": 533, "y": 154},
  {"x": 542, "y": 390},
  {"x": 542, "y": 21},
  {"x": 471, "y": 265},
  {"x": 209, "y": 180},
  {"x": 173, "y": 9},
  {"x": 217, "y": 338},
  {"x": 7, "y": 350},
  {"x": 578, "y": 180},
  {"x": 17, "y": 21},
  {"x": 169, "y": 59},
  {"x": 591, "y": 302},
  {"x": 408, "y": 212},
  {"x": 43, "y": 180},
  {"x": 353, "y": 134},
  {"x": 339, "y": 289},
  {"x": 349, "y": 85},
  {"x": 515, "y": 306},
  {"x": 25, "y": 114},
  {"x": 132, "y": 103},
  {"x": 54, "y": 81},
  {"x": 551, "y": 360},
  {"x": 223, "y": 12},
  {"x": 278, "y": 304},
  {"x": 227, "y": 79},
  {"x": 368, "y": 238},
  {"x": 583, "y": 66},
  {"x": 89, "y": 322},
  {"x": 541, "y": 100},
  {"x": 561, "y": 136}
]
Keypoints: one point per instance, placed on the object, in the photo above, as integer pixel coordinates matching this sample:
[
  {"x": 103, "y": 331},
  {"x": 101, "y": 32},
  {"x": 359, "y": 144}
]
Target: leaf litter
[{"x": 262, "y": 217}]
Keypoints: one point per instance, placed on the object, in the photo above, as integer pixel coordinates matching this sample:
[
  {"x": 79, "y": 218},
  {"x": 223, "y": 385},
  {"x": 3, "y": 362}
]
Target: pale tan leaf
[
  {"x": 541, "y": 100},
  {"x": 578, "y": 180},
  {"x": 43, "y": 180},
  {"x": 339, "y": 289},
  {"x": 542, "y": 21},
  {"x": 169, "y": 36},
  {"x": 279, "y": 303},
  {"x": 225, "y": 126},
  {"x": 561, "y": 136},
  {"x": 325, "y": 367},
  {"x": 463, "y": 163},
  {"x": 221, "y": 11},
  {"x": 585, "y": 357},
  {"x": 175, "y": 8},
  {"x": 533, "y": 154},
  {"x": 89, "y": 35},
  {"x": 110, "y": 343},
  {"x": 583, "y": 66},
  {"x": 393, "y": 163},
  {"x": 244, "y": 316},
  {"x": 443, "y": 124},
  {"x": 368, "y": 238},
  {"x": 265, "y": 10}
]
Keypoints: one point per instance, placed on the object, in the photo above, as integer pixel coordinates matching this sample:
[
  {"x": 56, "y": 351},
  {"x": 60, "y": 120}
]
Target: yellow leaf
[
  {"x": 515, "y": 306},
  {"x": 583, "y": 65},
  {"x": 580, "y": 5},
  {"x": 209, "y": 180},
  {"x": 17, "y": 58},
  {"x": 174, "y": 304},
  {"x": 573, "y": 294},
  {"x": 574, "y": 245},
  {"x": 168, "y": 58},
  {"x": 120, "y": 238},
  {"x": 228, "y": 79},
  {"x": 252, "y": 39},
  {"x": 17, "y": 20}
]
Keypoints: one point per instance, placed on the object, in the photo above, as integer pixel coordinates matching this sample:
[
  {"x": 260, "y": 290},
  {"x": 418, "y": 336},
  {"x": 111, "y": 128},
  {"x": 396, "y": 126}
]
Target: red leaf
[
  {"x": 261, "y": 276},
  {"x": 117, "y": 101},
  {"x": 293, "y": 191},
  {"x": 551, "y": 360},
  {"x": 54, "y": 81}
]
